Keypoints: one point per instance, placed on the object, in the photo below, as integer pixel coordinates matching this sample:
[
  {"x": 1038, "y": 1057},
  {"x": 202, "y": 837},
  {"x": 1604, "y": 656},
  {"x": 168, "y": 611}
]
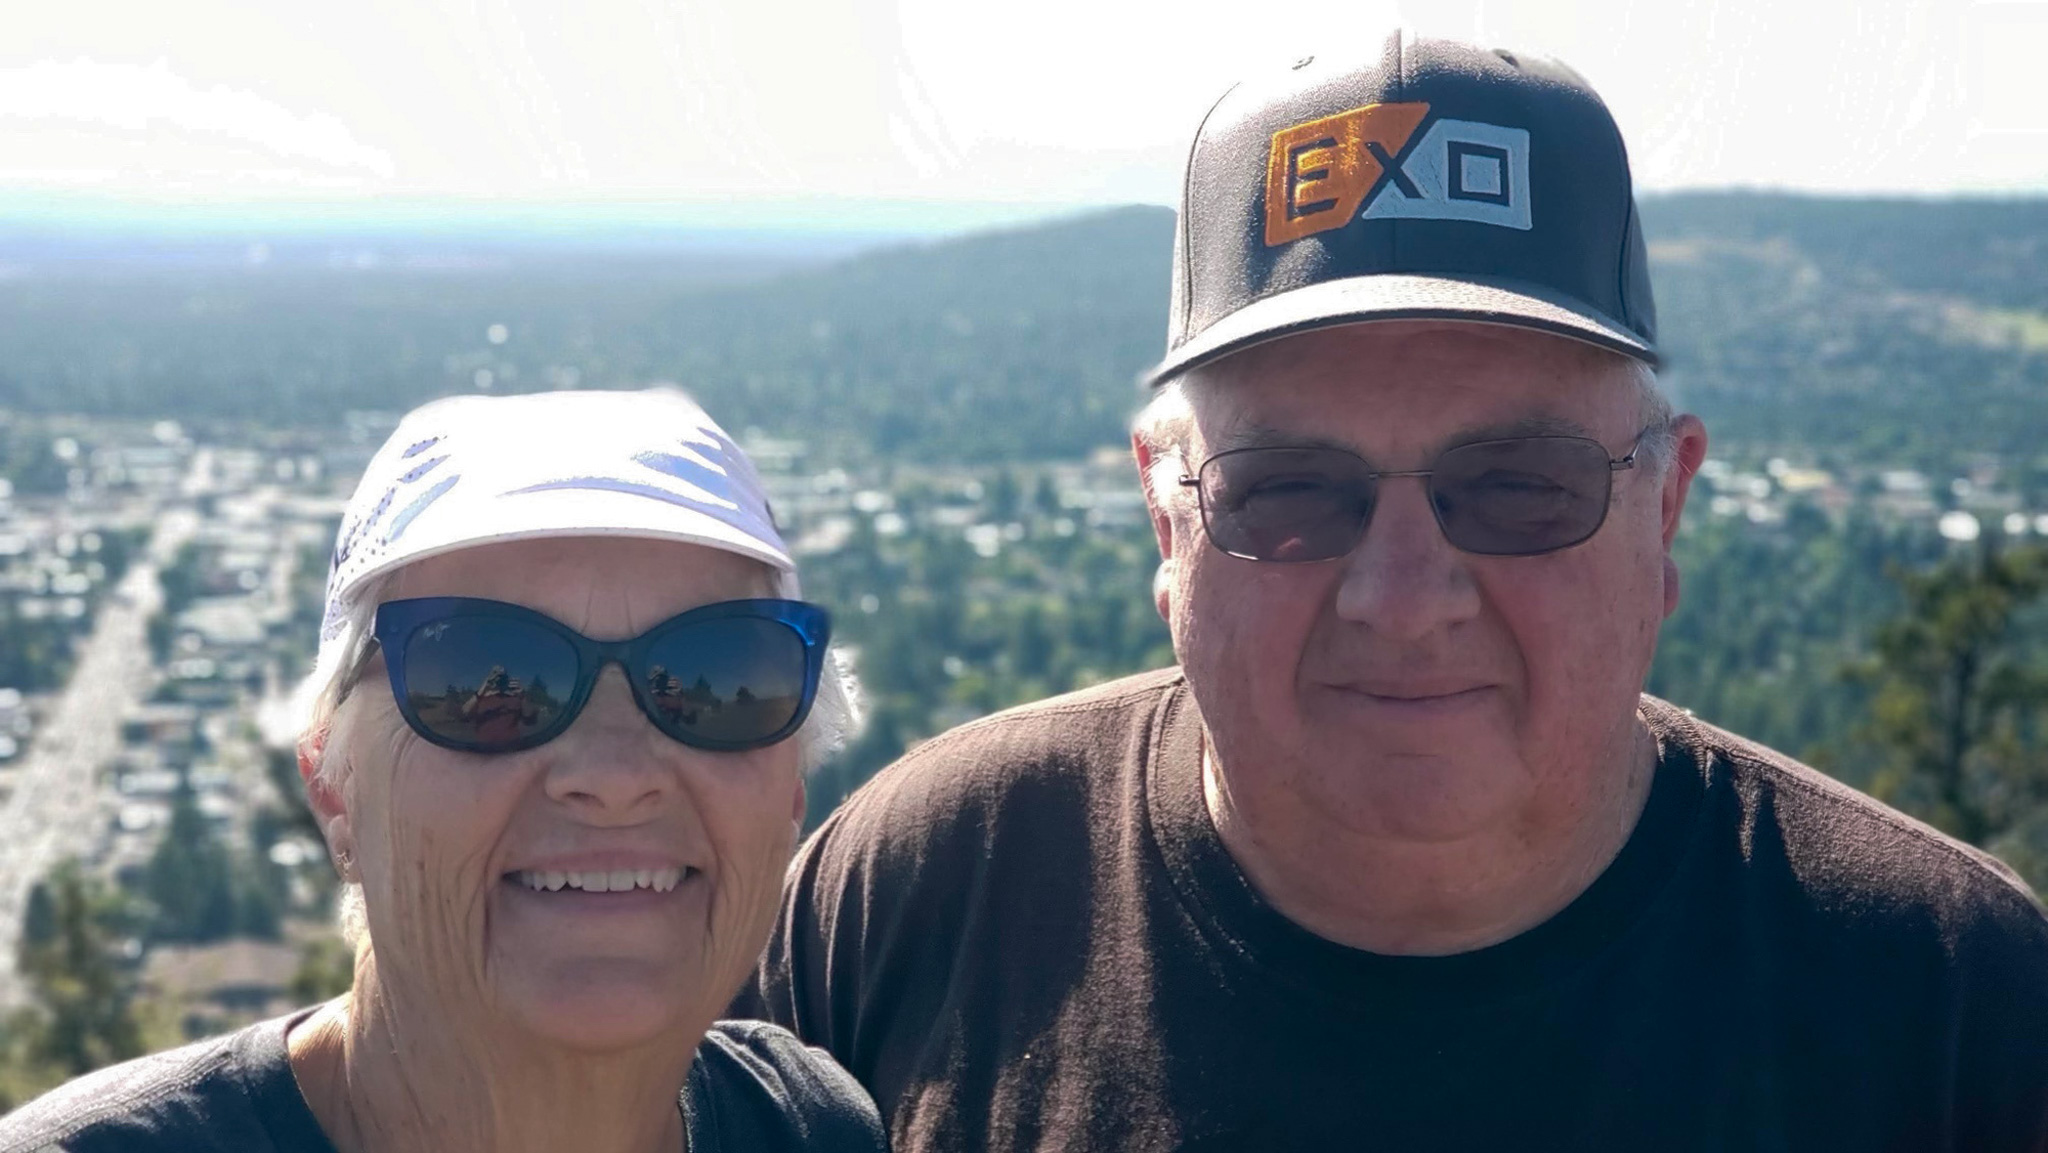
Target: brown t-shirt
[{"x": 1026, "y": 934}]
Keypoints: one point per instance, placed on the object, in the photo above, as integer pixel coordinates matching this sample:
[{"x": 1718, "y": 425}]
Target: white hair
[
  {"x": 1654, "y": 413},
  {"x": 834, "y": 719},
  {"x": 1166, "y": 427}
]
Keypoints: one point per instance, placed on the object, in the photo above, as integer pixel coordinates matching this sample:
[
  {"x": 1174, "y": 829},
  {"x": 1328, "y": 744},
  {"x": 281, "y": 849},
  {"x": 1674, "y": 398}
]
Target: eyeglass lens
[{"x": 1516, "y": 497}]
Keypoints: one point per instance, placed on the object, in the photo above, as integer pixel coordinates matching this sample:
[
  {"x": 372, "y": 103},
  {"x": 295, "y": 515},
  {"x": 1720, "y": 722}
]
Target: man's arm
[{"x": 2001, "y": 990}]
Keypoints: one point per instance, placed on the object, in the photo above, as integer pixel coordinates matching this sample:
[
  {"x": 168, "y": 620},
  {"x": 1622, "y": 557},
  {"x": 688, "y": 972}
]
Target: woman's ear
[{"x": 324, "y": 797}]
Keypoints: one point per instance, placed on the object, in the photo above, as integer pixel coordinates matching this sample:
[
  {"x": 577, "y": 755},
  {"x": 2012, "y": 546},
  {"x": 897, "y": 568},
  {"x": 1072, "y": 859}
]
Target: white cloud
[{"x": 57, "y": 116}]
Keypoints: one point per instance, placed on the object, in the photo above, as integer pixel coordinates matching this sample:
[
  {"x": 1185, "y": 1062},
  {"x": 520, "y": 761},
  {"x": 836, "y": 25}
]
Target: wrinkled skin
[
  {"x": 1458, "y": 727},
  {"x": 544, "y": 990}
]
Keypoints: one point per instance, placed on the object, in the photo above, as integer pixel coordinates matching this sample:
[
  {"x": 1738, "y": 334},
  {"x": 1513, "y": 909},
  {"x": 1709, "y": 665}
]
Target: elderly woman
[{"x": 565, "y": 701}]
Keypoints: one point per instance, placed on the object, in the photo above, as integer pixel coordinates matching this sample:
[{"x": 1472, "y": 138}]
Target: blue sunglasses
[{"x": 483, "y": 676}]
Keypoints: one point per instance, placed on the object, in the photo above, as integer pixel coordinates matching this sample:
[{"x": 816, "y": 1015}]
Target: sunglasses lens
[
  {"x": 1522, "y": 497},
  {"x": 1286, "y": 505},
  {"x": 728, "y": 682},
  {"x": 487, "y": 683}
]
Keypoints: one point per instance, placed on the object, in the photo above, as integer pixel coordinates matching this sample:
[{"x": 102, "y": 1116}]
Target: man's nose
[
  {"x": 1404, "y": 579},
  {"x": 612, "y": 761}
]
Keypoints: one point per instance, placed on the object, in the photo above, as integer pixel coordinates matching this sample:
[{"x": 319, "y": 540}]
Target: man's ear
[
  {"x": 1162, "y": 524},
  {"x": 1688, "y": 452},
  {"x": 324, "y": 797},
  {"x": 1162, "y": 529}
]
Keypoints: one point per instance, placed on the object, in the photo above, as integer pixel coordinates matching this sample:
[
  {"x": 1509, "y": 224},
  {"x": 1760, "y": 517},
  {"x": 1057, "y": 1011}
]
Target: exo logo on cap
[{"x": 1321, "y": 172}]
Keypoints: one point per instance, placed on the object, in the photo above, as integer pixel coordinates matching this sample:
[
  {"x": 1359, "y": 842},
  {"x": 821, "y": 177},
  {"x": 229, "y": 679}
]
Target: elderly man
[{"x": 1400, "y": 857}]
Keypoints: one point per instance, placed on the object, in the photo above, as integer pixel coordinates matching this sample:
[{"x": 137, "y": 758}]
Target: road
[{"x": 59, "y": 807}]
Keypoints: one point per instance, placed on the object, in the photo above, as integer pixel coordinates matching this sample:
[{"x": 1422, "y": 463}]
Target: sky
[{"x": 756, "y": 114}]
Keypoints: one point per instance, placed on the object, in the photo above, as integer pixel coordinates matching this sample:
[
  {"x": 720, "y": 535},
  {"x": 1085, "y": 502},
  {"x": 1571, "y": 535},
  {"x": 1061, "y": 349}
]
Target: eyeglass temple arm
[{"x": 1629, "y": 461}]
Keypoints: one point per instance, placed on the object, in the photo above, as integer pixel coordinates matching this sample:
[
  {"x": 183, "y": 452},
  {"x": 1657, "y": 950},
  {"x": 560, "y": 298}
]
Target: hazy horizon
[{"x": 605, "y": 222}]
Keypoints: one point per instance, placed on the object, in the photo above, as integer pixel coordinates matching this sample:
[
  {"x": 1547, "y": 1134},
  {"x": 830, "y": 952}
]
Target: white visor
[{"x": 473, "y": 470}]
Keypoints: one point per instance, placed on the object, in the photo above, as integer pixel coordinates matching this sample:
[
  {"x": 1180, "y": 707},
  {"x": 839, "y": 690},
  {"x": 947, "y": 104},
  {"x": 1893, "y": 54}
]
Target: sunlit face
[
  {"x": 443, "y": 839},
  {"x": 1410, "y": 690}
]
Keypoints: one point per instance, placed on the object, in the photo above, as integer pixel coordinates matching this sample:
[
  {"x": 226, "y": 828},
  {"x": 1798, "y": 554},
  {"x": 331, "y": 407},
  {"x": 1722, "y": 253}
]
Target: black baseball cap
[{"x": 1440, "y": 181}]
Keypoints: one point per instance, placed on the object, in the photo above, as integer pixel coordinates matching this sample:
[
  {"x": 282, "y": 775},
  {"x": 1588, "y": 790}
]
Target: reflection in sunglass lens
[
  {"x": 728, "y": 681},
  {"x": 488, "y": 682},
  {"x": 1286, "y": 504},
  {"x": 1521, "y": 497}
]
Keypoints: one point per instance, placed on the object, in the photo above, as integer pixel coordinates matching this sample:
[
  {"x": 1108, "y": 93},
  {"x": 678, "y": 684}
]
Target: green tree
[
  {"x": 1046, "y": 496},
  {"x": 72, "y": 954},
  {"x": 190, "y": 879},
  {"x": 29, "y": 460},
  {"x": 1005, "y": 496},
  {"x": 1960, "y": 700}
]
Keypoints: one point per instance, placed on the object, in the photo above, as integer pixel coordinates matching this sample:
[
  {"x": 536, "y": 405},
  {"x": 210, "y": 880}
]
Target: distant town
[{"x": 184, "y": 576}]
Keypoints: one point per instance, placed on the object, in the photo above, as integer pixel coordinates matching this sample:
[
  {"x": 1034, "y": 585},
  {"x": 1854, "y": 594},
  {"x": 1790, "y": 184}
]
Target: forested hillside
[
  {"x": 1009, "y": 345},
  {"x": 1910, "y": 329},
  {"x": 1835, "y": 324}
]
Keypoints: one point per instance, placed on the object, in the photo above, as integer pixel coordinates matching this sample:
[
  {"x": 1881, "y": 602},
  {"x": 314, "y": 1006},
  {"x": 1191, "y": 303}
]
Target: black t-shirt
[
  {"x": 753, "y": 1088},
  {"x": 1028, "y": 935}
]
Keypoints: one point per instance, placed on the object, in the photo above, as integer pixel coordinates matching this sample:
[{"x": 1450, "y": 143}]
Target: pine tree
[
  {"x": 85, "y": 1015},
  {"x": 190, "y": 878},
  {"x": 1960, "y": 704}
]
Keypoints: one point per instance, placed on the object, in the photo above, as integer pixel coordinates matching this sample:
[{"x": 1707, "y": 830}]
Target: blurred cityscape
[
  {"x": 162, "y": 596},
  {"x": 1864, "y": 562}
]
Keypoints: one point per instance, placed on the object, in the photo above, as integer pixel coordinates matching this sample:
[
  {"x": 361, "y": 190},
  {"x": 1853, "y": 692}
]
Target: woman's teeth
[{"x": 615, "y": 881}]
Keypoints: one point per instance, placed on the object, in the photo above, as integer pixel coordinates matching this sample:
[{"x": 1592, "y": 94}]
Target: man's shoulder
[
  {"x": 1076, "y": 720},
  {"x": 1055, "y": 739},
  {"x": 1034, "y": 772},
  {"x": 757, "y": 1086},
  {"x": 1853, "y": 855},
  {"x": 192, "y": 1098}
]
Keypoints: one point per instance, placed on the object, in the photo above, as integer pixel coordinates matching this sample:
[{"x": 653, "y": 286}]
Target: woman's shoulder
[
  {"x": 233, "y": 1092},
  {"x": 755, "y": 1086}
]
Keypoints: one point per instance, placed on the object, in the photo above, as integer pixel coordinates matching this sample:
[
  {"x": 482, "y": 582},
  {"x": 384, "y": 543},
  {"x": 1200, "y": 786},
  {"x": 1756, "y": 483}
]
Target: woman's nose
[{"x": 612, "y": 758}]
